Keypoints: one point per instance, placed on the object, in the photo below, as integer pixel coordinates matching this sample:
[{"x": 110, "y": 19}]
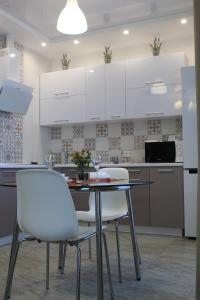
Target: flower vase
[{"x": 83, "y": 176}]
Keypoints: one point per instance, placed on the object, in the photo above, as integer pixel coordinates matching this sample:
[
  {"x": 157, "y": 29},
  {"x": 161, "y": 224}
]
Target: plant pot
[
  {"x": 83, "y": 176},
  {"x": 108, "y": 60},
  {"x": 156, "y": 52},
  {"x": 65, "y": 67}
]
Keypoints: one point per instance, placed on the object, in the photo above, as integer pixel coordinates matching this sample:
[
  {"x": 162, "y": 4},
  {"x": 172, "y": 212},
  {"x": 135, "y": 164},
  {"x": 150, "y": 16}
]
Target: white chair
[
  {"x": 114, "y": 206},
  {"x": 46, "y": 211}
]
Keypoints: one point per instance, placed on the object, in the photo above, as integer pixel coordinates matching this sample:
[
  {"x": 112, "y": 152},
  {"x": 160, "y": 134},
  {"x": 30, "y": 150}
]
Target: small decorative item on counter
[
  {"x": 157, "y": 44},
  {"x": 65, "y": 61},
  {"x": 82, "y": 160},
  {"x": 107, "y": 55}
]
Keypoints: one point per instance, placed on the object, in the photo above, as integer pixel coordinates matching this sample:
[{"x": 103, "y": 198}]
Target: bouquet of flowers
[{"x": 81, "y": 159}]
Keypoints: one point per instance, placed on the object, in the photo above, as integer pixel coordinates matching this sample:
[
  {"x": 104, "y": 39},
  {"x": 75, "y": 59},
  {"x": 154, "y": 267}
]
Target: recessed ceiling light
[
  {"x": 91, "y": 71},
  {"x": 183, "y": 21},
  {"x": 126, "y": 32},
  {"x": 43, "y": 44},
  {"x": 12, "y": 55},
  {"x": 76, "y": 42}
]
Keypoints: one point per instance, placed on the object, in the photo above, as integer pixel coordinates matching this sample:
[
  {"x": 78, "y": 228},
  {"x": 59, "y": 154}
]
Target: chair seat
[
  {"x": 85, "y": 233},
  {"x": 88, "y": 216}
]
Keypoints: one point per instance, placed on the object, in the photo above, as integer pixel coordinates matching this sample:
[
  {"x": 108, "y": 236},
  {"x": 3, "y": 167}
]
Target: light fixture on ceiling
[
  {"x": 43, "y": 44},
  {"x": 12, "y": 54},
  {"x": 126, "y": 32},
  {"x": 76, "y": 42},
  {"x": 183, "y": 21},
  {"x": 71, "y": 19}
]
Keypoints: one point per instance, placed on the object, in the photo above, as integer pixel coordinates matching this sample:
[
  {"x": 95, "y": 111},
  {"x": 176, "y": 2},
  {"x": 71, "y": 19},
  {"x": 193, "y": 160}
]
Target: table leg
[
  {"x": 12, "y": 260},
  {"x": 100, "y": 295},
  {"x": 133, "y": 235}
]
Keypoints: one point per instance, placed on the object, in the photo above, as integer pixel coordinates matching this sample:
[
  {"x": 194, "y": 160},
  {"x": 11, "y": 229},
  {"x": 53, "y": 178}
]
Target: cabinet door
[
  {"x": 95, "y": 93},
  {"x": 163, "y": 68},
  {"x": 166, "y": 197},
  {"x": 62, "y": 83},
  {"x": 115, "y": 91},
  {"x": 144, "y": 103},
  {"x": 140, "y": 196},
  {"x": 63, "y": 110}
]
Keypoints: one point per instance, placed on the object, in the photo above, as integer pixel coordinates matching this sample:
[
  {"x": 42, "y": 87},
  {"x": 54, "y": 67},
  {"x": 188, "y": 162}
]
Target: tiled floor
[{"x": 168, "y": 271}]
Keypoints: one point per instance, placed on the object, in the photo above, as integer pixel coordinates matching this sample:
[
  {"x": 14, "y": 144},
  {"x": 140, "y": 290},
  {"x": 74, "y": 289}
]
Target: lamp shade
[{"x": 71, "y": 19}]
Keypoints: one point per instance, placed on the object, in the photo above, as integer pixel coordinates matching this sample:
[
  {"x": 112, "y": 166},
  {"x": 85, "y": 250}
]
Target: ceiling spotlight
[
  {"x": 12, "y": 55},
  {"x": 126, "y": 32},
  {"x": 76, "y": 42},
  {"x": 43, "y": 44},
  {"x": 71, "y": 19},
  {"x": 91, "y": 71},
  {"x": 183, "y": 21}
]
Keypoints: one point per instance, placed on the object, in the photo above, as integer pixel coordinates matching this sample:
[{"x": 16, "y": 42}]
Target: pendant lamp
[{"x": 71, "y": 19}]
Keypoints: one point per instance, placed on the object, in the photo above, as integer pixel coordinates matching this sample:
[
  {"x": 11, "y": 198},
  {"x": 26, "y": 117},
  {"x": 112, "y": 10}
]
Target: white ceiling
[{"x": 34, "y": 21}]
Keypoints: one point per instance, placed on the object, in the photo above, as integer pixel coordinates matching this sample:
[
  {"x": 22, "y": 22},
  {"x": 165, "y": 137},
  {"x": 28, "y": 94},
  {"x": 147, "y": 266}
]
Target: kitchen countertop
[
  {"x": 128, "y": 165},
  {"x": 20, "y": 166}
]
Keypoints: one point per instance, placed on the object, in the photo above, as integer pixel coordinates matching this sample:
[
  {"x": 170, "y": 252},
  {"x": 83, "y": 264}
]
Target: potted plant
[
  {"x": 157, "y": 44},
  {"x": 65, "y": 61},
  {"x": 107, "y": 55},
  {"x": 82, "y": 160}
]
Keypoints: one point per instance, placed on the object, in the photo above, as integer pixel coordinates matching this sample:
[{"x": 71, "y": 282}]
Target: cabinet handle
[
  {"x": 135, "y": 171},
  {"x": 154, "y": 82},
  {"x": 115, "y": 117},
  {"x": 165, "y": 170},
  {"x": 155, "y": 113},
  {"x": 61, "y": 94},
  {"x": 61, "y": 121},
  {"x": 96, "y": 118}
]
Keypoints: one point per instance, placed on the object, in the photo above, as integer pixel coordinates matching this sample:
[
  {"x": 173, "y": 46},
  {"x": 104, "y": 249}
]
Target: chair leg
[
  {"x": 108, "y": 266},
  {"x": 90, "y": 245},
  {"x": 118, "y": 251},
  {"x": 47, "y": 265},
  {"x": 11, "y": 269},
  {"x": 60, "y": 256},
  {"x": 139, "y": 256},
  {"x": 64, "y": 257},
  {"x": 78, "y": 272}
]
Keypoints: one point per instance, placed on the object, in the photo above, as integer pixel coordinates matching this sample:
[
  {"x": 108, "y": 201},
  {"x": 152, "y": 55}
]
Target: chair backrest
[
  {"x": 45, "y": 208},
  {"x": 112, "y": 202}
]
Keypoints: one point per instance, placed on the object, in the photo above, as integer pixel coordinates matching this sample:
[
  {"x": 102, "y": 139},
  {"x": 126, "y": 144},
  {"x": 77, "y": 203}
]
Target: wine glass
[
  {"x": 96, "y": 162},
  {"x": 50, "y": 161}
]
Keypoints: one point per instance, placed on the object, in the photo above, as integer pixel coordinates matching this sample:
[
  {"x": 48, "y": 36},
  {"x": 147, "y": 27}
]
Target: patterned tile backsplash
[
  {"x": 126, "y": 140},
  {"x": 11, "y": 137}
]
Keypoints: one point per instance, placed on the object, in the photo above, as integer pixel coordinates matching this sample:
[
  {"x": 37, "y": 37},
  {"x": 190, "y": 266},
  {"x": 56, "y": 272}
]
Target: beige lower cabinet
[
  {"x": 140, "y": 197},
  {"x": 166, "y": 197}
]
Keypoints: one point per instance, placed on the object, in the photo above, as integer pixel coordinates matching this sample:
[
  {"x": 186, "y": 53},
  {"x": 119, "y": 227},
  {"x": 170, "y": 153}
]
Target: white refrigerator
[{"x": 190, "y": 151}]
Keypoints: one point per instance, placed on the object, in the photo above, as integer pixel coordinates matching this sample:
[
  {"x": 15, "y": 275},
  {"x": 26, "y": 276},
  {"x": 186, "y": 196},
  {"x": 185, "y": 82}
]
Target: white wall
[
  {"x": 182, "y": 44},
  {"x": 35, "y": 140}
]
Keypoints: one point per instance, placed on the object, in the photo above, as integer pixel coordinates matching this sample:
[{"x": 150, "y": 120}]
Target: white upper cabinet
[
  {"x": 144, "y": 103},
  {"x": 62, "y": 110},
  {"x": 62, "y": 83},
  {"x": 115, "y": 91},
  {"x": 164, "y": 68},
  {"x": 95, "y": 93}
]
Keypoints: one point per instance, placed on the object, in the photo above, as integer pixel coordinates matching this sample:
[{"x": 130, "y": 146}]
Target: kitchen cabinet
[
  {"x": 62, "y": 110},
  {"x": 166, "y": 197},
  {"x": 144, "y": 103},
  {"x": 163, "y": 68},
  {"x": 62, "y": 83},
  {"x": 141, "y": 197},
  {"x": 95, "y": 93},
  {"x": 115, "y": 91}
]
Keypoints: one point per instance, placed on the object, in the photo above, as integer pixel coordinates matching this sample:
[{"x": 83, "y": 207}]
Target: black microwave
[{"x": 160, "y": 152}]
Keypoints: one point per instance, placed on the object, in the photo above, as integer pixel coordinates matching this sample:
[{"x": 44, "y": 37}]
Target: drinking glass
[{"x": 96, "y": 162}]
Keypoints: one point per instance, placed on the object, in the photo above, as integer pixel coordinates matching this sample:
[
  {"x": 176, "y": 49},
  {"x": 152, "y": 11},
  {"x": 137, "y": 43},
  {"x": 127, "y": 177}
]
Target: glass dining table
[{"x": 99, "y": 186}]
